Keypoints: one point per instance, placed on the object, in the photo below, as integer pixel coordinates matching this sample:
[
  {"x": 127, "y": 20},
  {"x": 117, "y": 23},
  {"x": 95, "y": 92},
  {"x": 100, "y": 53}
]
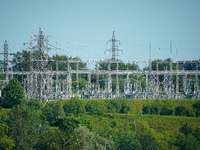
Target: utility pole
[{"x": 114, "y": 48}]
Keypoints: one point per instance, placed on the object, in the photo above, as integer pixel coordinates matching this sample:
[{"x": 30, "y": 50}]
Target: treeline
[
  {"x": 170, "y": 110},
  {"x": 21, "y": 62}
]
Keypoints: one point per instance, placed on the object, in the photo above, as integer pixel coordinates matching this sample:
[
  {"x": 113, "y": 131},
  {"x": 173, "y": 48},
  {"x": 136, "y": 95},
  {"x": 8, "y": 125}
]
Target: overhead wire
[{"x": 91, "y": 46}]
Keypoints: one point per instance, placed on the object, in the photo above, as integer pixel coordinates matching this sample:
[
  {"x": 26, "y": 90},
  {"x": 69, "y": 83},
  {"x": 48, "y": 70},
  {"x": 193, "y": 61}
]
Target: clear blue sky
[{"x": 82, "y": 27}]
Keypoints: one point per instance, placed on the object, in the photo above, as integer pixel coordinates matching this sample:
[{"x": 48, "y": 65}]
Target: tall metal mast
[
  {"x": 6, "y": 61},
  {"x": 6, "y": 68},
  {"x": 114, "y": 48}
]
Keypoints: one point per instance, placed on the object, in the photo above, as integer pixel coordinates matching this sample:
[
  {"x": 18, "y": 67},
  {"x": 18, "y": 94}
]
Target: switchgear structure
[{"x": 44, "y": 83}]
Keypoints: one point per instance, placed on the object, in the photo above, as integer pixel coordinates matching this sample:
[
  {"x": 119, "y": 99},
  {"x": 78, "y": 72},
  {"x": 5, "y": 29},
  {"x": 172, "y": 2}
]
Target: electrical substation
[{"x": 44, "y": 83}]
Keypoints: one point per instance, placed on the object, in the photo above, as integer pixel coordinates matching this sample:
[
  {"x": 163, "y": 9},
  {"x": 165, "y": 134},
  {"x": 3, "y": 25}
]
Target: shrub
[
  {"x": 180, "y": 111},
  {"x": 187, "y": 143},
  {"x": 74, "y": 106},
  {"x": 89, "y": 107},
  {"x": 95, "y": 107},
  {"x": 167, "y": 111},
  {"x": 33, "y": 103},
  {"x": 196, "y": 106},
  {"x": 146, "y": 110},
  {"x": 47, "y": 113},
  {"x": 67, "y": 124},
  {"x": 125, "y": 109},
  {"x": 190, "y": 113},
  {"x": 186, "y": 129},
  {"x": 196, "y": 133},
  {"x": 155, "y": 110},
  {"x": 114, "y": 106}
]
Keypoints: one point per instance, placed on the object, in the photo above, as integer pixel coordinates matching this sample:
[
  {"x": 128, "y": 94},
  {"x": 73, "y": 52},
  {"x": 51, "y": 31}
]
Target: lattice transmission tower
[
  {"x": 42, "y": 59},
  {"x": 6, "y": 61},
  {"x": 114, "y": 47}
]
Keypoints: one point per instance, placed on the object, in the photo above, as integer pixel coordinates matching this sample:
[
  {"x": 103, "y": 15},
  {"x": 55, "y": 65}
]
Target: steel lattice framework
[{"x": 45, "y": 83}]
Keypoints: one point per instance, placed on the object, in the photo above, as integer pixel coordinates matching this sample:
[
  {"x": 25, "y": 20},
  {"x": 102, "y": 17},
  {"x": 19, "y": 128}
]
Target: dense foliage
[
  {"x": 12, "y": 94},
  {"x": 6, "y": 142},
  {"x": 98, "y": 124}
]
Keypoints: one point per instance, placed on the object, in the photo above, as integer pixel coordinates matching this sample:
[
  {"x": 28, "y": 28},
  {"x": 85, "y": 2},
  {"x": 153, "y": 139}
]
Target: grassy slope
[
  {"x": 165, "y": 128},
  {"x": 159, "y": 124}
]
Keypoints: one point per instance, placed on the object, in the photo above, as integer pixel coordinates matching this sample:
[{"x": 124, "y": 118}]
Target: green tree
[
  {"x": 95, "y": 107},
  {"x": 12, "y": 94},
  {"x": 126, "y": 140},
  {"x": 34, "y": 103},
  {"x": 89, "y": 107},
  {"x": 146, "y": 110},
  {"x": 180, "y": 111},
  {"x": 122, "y": 66},
  {"x": 196, "y": 133},
  {"x": 167, "y": 110},
  {"x": 67, "y": 124},
  {"x": 74, "y": 106},
  {"x": 188, "y": 138},
  {"x": 24, "y": 123},
  {"x": 62, "y": 65},
  {"x": 21, "y": 61},
  {"x": 125, "y": 107},
  {"x": 187, "y": 143},
  {"x": 52, "y": 111},
  {"x": 190, "y": 112},
  {"x": 155, "y": 110},
  {"x": 146, "y": 139},
  {"x": 68, "y": 133},
  {"x": 196, "y": 107},
  {"x": 6, "y": 142},
  {"x": 186, "y": 129},
  {"x": 58, "y": 110},
  {"x": 142, "y": 139},
  {"x": 114, "y": 105},
  {"x": 51, "y": 139},
  {"x": 164, "y": 65},
  {"x": 48, "y": 114},
  {"x": 86, "y": 140}
]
